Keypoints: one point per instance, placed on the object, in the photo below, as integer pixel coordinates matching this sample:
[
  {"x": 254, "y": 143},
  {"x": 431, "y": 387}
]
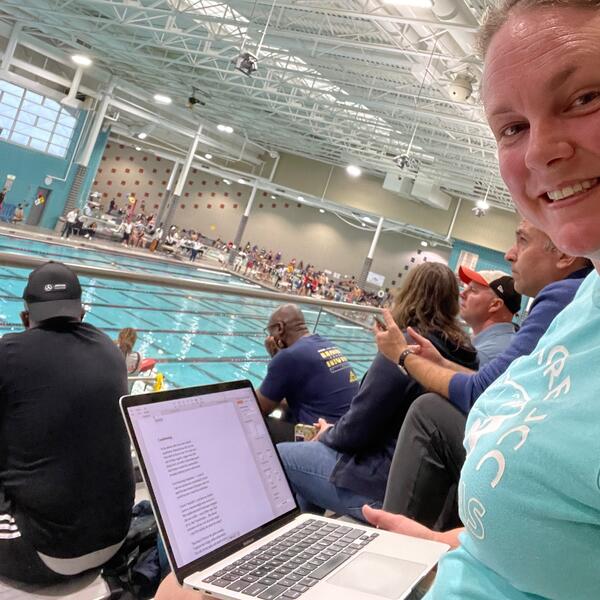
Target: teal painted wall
[
  {"x": 488, "y": 259},
  {"x": 31, "y": 167}
]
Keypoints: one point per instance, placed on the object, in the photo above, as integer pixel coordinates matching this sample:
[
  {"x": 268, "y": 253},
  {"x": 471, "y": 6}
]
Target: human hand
[
  {"x": 322, "y": 426},
  {"x": 390, "y": 342},
  {"x": 425, "y": 348},
  {"x": 271, "y": 346},
  {"x": 397, "y": 523}
]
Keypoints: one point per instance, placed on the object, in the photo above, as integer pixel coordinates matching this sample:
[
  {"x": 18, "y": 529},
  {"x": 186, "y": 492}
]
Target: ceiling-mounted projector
[
  {"x": 406, "y": 161},
  {"x": 246, "y": 63}
]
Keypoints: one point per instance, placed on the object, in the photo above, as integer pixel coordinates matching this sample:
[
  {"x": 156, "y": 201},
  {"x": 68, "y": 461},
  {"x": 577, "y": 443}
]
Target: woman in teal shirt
[{"x": 530, "y": 487}]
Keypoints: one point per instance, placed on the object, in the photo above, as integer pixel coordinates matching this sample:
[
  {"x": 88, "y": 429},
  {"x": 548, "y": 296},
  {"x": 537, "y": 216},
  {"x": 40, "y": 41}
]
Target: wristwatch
[{"x": 402, "y": 358}]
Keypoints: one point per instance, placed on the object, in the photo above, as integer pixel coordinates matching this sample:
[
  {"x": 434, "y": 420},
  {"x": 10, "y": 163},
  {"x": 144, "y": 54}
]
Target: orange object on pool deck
[{"x": 147, "y": 364}]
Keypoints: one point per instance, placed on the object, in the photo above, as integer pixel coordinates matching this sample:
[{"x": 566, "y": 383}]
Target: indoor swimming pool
[{"x": 197, "y": 337}]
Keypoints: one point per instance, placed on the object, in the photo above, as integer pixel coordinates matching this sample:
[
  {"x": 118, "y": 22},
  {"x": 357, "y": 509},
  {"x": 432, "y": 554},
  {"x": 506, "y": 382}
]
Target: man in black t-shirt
[{"x": 66, "y": 478}]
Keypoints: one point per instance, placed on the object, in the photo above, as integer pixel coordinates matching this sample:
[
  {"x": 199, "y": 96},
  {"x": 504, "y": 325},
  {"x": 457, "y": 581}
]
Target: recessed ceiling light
[
  {"x": 300, "y": 198},
  {"x": 424, "y": 244},
  {"x": 273, "y": 197},
  {"x": 353, "y": 170},
  {"x": 142, "y": 135},
  {"x": 363, "y": 224},
  {"x": 225, "y": 128},
  {"x": 482, "y": 204},
  {"x": 208, "y": 156},
  {"x": 138, "y": 148},
  {"x": 242, "y": 181},
  {"x": 226, "y": 182},
  {"x": 81, "y": 60},
  {"x": 162, "y": 99},
  {"x": 322, "y": 210}
]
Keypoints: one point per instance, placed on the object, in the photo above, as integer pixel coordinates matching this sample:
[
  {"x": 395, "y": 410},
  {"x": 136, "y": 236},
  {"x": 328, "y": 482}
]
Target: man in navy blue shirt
[
  {"x": 430, "y": 453},
  {"x": 307, "y": 371}
]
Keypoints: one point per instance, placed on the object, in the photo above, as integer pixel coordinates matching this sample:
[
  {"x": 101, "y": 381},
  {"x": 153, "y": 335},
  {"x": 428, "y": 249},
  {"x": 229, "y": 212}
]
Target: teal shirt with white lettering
[{"x": 530, "y": 486}]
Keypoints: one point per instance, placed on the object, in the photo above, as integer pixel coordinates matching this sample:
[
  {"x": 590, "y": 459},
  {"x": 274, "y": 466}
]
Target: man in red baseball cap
[{"x": 488, "y": 305}]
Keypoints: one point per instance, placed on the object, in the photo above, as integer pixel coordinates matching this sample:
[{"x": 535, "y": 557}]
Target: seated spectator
[
  {"x": 307, "y": 371},
  {"x": 66, "y": 478},
  {"x": 488, "y": 305},
  {"x": 19, "y": 215},
  {"x": 126, "y": 341},
  {"x": 349, "y": 463},
  {"x": 430, "y": 452}
]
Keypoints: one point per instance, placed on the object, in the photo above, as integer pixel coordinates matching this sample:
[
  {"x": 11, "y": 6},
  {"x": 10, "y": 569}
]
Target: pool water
[{"x": 197, "y": 337}]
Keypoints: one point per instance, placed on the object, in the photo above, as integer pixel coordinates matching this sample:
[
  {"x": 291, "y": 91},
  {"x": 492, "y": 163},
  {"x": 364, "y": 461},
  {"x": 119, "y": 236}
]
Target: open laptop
[{"x": 228, "y": 517}]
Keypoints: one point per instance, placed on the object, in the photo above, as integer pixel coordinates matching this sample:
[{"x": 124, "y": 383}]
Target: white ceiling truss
[{"x": 342, "y": 81}]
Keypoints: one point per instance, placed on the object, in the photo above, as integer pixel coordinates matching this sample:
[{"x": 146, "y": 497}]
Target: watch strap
[{"x": 406, "y": 352}]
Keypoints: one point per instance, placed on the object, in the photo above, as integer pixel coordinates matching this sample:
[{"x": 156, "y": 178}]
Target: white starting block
[{"x": 89, "y": 586}]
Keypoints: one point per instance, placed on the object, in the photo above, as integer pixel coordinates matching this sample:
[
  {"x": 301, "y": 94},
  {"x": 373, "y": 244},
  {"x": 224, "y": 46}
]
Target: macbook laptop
[{"x": 228, "y": 517}]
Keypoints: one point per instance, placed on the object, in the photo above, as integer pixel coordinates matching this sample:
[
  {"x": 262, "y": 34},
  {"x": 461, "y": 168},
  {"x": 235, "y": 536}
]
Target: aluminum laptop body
[{"x": 225, "y": 508}]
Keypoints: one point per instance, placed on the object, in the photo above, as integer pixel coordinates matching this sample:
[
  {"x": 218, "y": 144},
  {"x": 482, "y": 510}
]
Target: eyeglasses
[{"x": 268, "y": 328}]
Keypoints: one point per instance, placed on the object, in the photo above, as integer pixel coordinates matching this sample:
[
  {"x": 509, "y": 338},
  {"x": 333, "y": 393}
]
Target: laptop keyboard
[{"x": 292, "y": 563}]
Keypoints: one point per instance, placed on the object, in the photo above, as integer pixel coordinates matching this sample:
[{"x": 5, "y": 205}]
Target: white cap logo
[{"x": 48, "y": 287}]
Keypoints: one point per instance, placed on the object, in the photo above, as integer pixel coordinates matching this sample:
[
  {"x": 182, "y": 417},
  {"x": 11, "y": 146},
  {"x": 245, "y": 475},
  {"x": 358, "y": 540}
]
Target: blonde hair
[
  {"x": 126, "y": 340},
  {"x": 428, "y": 302},
  {"x": 498, "y": 13}
]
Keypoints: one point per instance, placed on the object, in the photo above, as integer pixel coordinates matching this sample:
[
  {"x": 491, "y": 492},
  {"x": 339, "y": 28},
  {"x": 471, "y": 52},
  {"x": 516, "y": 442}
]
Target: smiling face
[{"x": 541, "y": 91}]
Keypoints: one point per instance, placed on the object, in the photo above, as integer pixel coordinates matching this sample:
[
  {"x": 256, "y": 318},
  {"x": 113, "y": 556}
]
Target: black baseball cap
[{"x": 53, "y": 290}]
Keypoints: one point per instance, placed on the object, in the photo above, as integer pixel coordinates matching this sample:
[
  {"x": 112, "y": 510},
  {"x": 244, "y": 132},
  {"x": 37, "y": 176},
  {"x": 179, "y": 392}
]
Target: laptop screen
[{"x": 213, "y": 469}]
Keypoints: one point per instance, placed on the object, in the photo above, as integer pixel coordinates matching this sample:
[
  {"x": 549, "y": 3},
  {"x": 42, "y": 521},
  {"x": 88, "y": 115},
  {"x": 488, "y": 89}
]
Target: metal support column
[
  {"x": 92, "y": 138},
  {"x": 362, "y": 280},
  {"x": 168, "y": 195},
  {"x": 242, "y": 226},
  {"x": 11, "y": 46},
  {"x": 169, "y": 211}
]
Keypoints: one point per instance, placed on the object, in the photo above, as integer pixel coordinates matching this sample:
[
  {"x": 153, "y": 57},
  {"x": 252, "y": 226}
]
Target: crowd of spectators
[{"x": 268, "y": 267}]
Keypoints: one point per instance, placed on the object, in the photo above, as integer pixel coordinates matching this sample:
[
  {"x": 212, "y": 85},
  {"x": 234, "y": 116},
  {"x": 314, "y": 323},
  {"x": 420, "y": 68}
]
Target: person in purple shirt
[{"x": 430, "y": 454}]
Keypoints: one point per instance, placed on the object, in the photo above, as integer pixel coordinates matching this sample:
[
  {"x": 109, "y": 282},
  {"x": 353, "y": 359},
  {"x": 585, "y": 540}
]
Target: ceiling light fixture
[
  {"x": 242, "y": 181},
  {"x": 138, "y": 148},
  {"x": 162, "y": 99},
  {"x": 424, "y": 244},
  {"x": 353, "y": 171},
  {"x": 225, "y": 128},
  {"x": 322, "y": 211},
  {"x": 226, "y": 182},
  {"x": 81, "y": 60},
  {"x": 363, "y": 224},
  {"x": 300, "y": 199},
  {"x": 208, "y": 156},
  {"x": 142, "y": 135}
]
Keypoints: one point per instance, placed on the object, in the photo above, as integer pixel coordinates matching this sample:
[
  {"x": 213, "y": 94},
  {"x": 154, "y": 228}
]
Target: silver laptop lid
[{"x": 214, "y": 476}]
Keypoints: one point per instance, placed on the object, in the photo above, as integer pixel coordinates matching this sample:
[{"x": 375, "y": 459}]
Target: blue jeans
[{"x": 309, "y": 466}]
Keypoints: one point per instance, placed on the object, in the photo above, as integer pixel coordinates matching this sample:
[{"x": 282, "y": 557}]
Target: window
[{"x": 32, "y": 120}]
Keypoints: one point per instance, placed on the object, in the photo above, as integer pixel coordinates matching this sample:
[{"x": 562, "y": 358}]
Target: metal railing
[{"x": 32, "y": 262}]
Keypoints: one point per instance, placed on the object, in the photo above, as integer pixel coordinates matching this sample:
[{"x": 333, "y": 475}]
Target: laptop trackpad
[{"x": 378, "y": 575}]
